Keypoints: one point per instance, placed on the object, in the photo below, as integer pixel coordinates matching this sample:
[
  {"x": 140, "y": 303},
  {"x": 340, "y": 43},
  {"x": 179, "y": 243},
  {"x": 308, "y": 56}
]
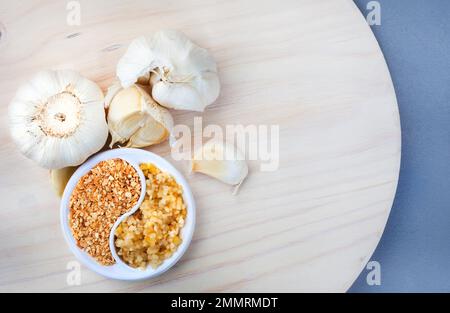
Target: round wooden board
[{"x": 311, "y": 67}]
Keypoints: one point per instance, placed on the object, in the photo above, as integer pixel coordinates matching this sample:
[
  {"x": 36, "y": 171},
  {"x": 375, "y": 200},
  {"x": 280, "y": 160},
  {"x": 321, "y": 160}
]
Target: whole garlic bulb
[
  {"x": 57, "y": 119},
  {"x": 221, "y": 160},
  {"x": 135, "y": 118},
  {"x": 183, "y": 75}
]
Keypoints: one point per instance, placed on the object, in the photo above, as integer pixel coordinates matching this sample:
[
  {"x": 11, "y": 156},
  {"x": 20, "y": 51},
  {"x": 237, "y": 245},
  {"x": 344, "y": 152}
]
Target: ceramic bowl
[{"x": 121, "y": 270}]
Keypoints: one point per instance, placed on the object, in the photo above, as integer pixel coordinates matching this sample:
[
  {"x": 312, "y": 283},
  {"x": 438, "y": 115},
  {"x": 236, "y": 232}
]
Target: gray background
[{"x": 414, "y": 252}]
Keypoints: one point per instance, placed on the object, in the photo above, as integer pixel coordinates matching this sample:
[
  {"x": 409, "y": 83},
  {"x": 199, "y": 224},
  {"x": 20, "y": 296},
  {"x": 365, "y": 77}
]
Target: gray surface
[{"x": 414, "y": 252}]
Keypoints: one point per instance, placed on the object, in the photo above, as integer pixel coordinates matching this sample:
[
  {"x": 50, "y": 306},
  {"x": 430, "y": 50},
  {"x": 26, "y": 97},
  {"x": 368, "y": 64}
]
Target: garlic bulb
[
  {"x": 221, "y": 160},
  {"x": 134, "y": 118},
  {"x": 60, "y": 177},
  {"x": 57, "y": 119},
  {"x": 183, "y": 75}
]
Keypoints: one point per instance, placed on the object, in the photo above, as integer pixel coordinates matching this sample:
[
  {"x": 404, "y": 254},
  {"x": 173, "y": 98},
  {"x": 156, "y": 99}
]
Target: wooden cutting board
[{"x": 312, "y": 67}]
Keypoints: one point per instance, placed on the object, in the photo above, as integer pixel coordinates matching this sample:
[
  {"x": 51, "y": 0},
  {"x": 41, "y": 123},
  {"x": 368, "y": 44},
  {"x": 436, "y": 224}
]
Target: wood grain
[{"x": 311, "y": 67}]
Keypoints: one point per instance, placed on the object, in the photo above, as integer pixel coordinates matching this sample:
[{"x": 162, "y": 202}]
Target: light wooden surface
[{"x": 312, "y": 67}]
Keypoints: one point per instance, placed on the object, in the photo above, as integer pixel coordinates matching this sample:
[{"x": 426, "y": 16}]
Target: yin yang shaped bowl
[{"x": 120, "y": 270}]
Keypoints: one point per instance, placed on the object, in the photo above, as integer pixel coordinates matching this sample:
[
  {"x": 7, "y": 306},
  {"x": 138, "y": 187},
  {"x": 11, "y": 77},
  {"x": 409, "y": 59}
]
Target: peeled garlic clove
[
  {"x": 134, "y": 118},
  {"x": 183, "y": 75},
  {"x": 57, "y": 119},
  {"x": 60, "y": 177},
  {"x": 222, "y": 161}
]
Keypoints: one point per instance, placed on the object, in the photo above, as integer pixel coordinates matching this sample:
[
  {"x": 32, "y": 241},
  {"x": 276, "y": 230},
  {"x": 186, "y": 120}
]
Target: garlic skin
[
  {"x": 57, "y": 119},
  {"x": 183, "y": 75},
  {"x": 134, "y": 118},
  {"x": 220, "y": 160}
]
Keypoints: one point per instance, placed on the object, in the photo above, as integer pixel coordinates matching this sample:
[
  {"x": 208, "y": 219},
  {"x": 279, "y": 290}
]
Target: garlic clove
[
  {"x": 123, "y": 129},
  {"x": 183, "y": 75},
  {"x": 153, "y": 133},
  {"x": 111, "y": 93},
  {"x": 221, "y": 160},
  {"x": 57, "y": 119},
  {"x": 185, "y": 96},
  {"x": 184, "y": 85},
  {"x": 135, "y": 119},
  {"x": 181, "y": 97},
  {"x": 60, "y": 177}
]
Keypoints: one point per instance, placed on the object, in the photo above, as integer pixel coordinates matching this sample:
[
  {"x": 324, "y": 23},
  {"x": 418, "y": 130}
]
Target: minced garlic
[{"x": 152, "y": 234}]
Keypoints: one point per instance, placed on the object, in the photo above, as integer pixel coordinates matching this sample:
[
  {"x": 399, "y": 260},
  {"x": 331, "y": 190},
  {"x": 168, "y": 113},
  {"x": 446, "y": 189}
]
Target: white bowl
[{"x": 121, "y": 270}]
